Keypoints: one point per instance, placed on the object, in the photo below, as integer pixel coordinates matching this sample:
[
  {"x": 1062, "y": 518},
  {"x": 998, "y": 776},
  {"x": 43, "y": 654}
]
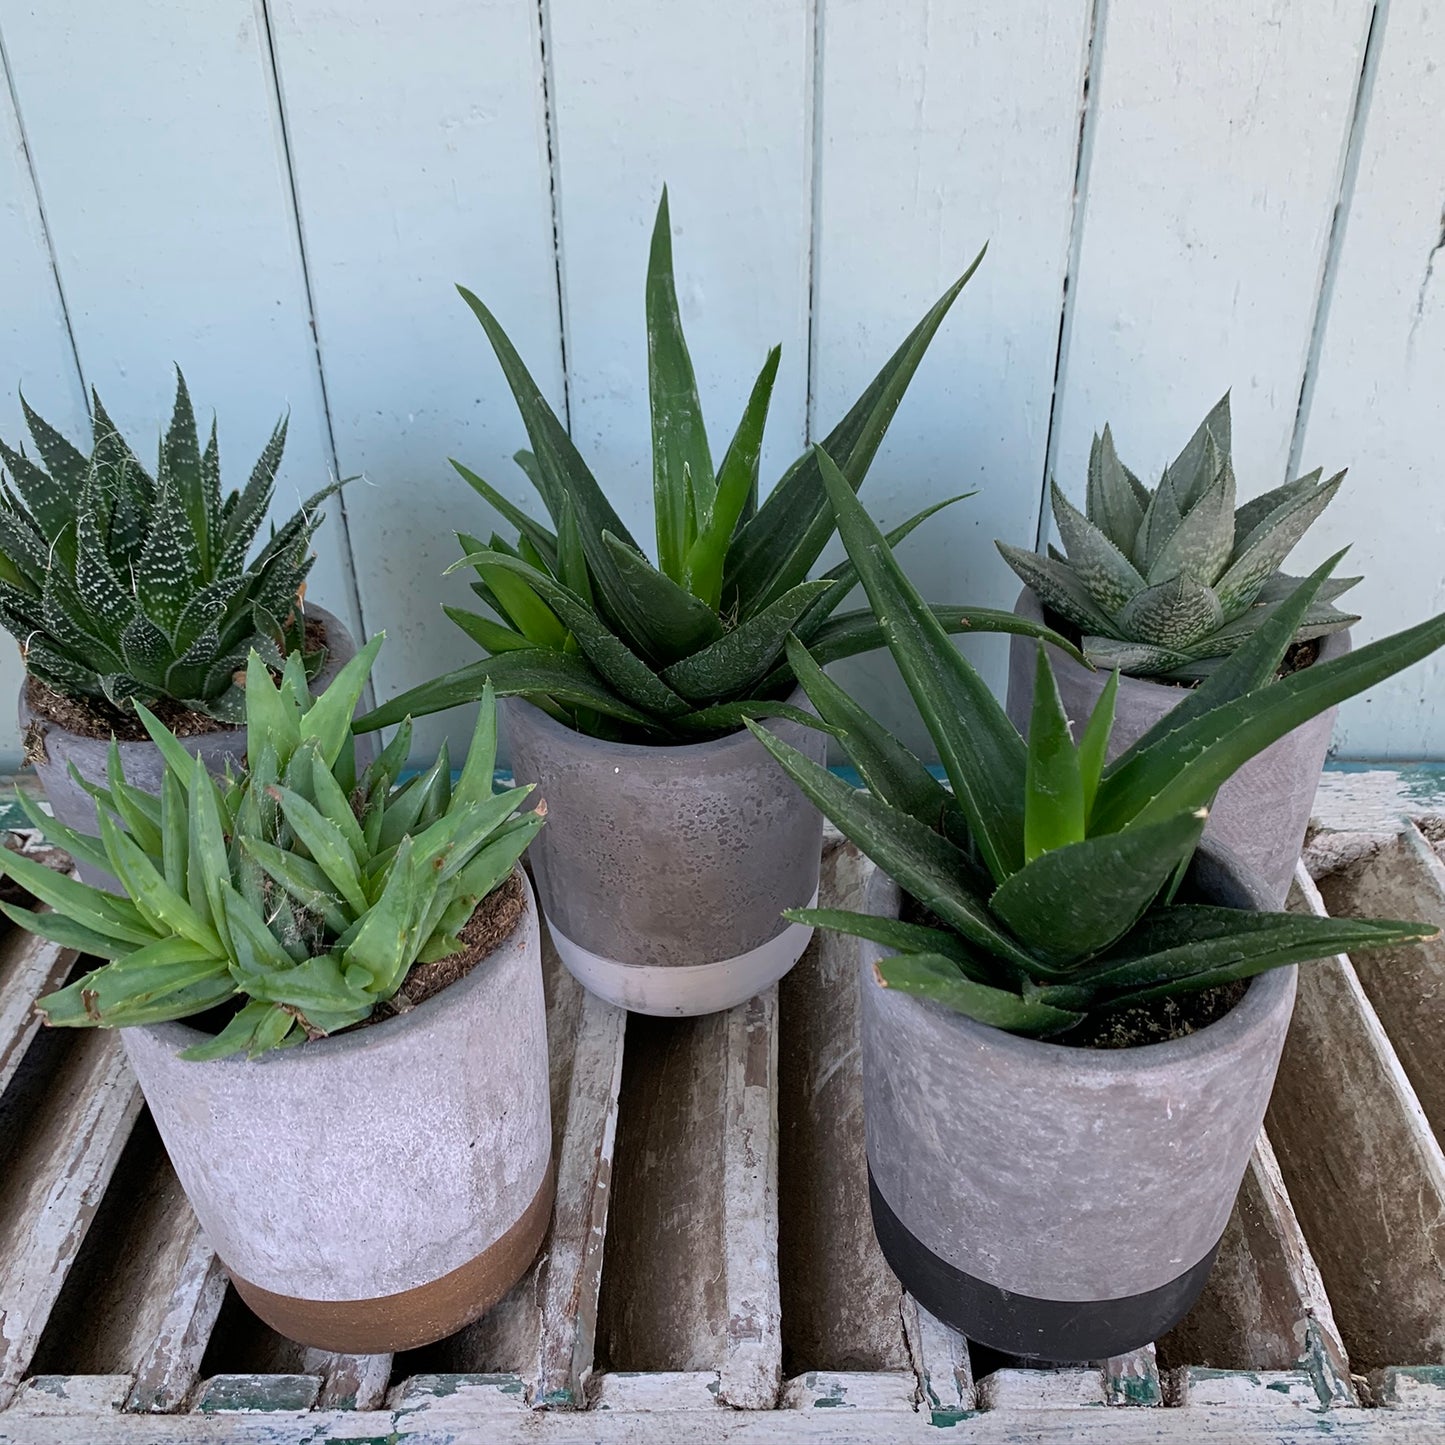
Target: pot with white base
[
  {"x": 52, "y": 749},
  {"x": 663, "y": 871},
  {"x": 381, "y": 1188},
  {"x": 1056, "y": 1202},
  {"x": 1261, "y": 813}
]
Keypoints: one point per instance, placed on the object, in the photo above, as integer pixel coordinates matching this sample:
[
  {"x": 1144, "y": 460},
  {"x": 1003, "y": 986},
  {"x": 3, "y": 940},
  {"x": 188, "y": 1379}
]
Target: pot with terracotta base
[
  {"x": 664, "y": 871},
  {"x": 381, "y": 1188},
  {"x": 1055, "y": 1202},
  {"x": 1261, "y": 813},
  {"x": 52, "y": 748}
]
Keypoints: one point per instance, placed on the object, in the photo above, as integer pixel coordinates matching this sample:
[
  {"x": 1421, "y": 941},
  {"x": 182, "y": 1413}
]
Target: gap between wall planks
[{"x": 447, "y": 146}]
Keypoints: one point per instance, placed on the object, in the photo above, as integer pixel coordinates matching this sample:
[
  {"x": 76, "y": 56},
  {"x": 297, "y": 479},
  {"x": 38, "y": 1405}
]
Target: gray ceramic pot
[
  {"x": 378, "y": 1190},
  {"x": 663, "y": 871},
  {"x": 1053, "y": 1202},
  {"x": 1261, "y": 813},
  {"x": 53, "y": 749}
]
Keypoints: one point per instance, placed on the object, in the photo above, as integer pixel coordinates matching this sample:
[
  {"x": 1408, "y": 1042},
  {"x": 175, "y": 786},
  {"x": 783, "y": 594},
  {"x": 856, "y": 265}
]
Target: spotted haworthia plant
[
  {"x": 122, "y": 587},
  {"x": 1168, "y": 582}
]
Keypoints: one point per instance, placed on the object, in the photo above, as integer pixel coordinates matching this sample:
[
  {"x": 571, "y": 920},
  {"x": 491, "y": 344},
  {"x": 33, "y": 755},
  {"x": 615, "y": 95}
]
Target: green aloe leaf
[
  {"x": 728, "y": 717},
  {"x": 1200, "y": 545},
  {"x": 328, "y": 719},
  {"x": 326, "y": 844},
  {"x": 1247, "y": 518},
  {"x": 1054, "y": 804},
  {"x": 237, "y": 1036},
  {"x": 888, "y": 770},
  {"x": 1270, "y": 543},
  {"x": 168, "y": 979},
  {"x": 540, "y": 537},
  {"x": 1188, "y": 470},
  {"x": 180, "y": 471},
  {"x": 1078, "y": 900},
  {"x": 737, "y": 489},
  {"x": 66, "y": 931},
  {"x": 571, "y": 569},
  {"x": 979, "y": 747},
  {"x": 493, "y": 637},
  {"x": 164, "y": 909},
  {"x": 303, "y": 880},
  {"x": 1057, "y": 588},
  {"x": 666, "y": 618},
  {"x": 935, "y": 872},
  {"x": 1113, "y": 503},
  {"x": 1094, "y": 742},
  {"x": 1107, "y": 573},
  {"x": 679, "y": 438},
  {"x": 777, "y": 549},
  {"x": 536, "y": 673},
  {"x": 938, "y": 979},
  {"x": 892, "y": 933},
  {"x": 743, "y": 657}
]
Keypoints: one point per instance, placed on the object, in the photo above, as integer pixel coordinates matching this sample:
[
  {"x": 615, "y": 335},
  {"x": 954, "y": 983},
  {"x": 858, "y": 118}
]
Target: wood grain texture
[
  {"x": 929, "y": 146},
  {"x": 156, "y": 138},
  {"x": 1210, "y": 189},
  {"x": 1374, "y": 404},
  {"x": 653, "y": 93},
  {"x": 420, "y": 150}
]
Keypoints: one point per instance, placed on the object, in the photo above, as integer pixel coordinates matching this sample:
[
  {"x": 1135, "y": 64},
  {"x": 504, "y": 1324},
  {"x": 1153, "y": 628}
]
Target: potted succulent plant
[
  {"x": 330, "y": 989},
  {"x": 123, "y": 588},
  {"x": 1165, "y": 585},
  {"x": 674, "y": 843},
  {"x": 1071, "y": 1019}
]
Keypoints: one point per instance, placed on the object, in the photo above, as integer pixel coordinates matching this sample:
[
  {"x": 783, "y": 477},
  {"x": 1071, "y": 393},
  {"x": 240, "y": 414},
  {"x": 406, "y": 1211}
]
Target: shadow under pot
[
  {"x": 1261, "y": 813},
  {"x": 1053, "y": 1202},
  {"x": 52, "y": 748},
  {"x": 379, "y": 1189},
  {"x": 663, "y": 871}
]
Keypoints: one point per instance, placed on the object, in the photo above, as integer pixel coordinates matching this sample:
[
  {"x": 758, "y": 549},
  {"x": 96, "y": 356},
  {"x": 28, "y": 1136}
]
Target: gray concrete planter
[
  {"x": 1261, "y": 813},
  {"x": 1053, "y": 1202},
  {"x": 377, "y": 1190},
  {"x": 54, "y": 749},
  {"x": 663, "y": 871}
]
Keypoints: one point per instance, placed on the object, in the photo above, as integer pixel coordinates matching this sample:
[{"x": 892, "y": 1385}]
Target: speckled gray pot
[
  {"x": 1261, "y": 813},
  {"x": 53, "y": 748},
  {"x": 1053, "y": 1202},
  {"x": 380, "y": 1189},
  {"x": 663, "y": 872}
]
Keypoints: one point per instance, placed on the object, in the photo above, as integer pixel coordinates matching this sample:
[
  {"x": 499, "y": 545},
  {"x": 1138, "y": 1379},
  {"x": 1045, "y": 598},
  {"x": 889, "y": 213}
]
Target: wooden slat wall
[{"x": 279, "y": 194}]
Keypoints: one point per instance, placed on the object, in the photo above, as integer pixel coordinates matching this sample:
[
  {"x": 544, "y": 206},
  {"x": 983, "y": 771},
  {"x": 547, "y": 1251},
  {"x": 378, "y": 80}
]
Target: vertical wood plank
[
  {"x": 420, "y": 150},
  {"x": 931, "y": 143},
  {"x": 1218, "y": 142},
  {"x": 1374, "y": 404},
  {"x": 156, "y": 136},
  {"x": 34, "y": 339},
  {"x": 713, "y": 101}
]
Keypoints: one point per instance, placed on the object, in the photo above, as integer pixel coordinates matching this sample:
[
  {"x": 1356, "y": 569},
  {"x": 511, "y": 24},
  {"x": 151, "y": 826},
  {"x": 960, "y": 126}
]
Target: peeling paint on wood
[
  {"x": 852, "y": 1390},
  {"x": 257, "y": 1394},
  {"x": 349, "y": 1382},
  {"x": 1259, "y": 1389},
  {"x": 1067, "y": 1389},
  {"x": 29, "y": 967},
  {"x": 1133, "y": 1379}
]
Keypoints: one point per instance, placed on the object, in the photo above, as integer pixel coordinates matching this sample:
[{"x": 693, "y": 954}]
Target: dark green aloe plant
[
  {"x": 587, "y": 628},
  {"x": 1051, "y": 875},
  {"x": 122, "y": 587},
  {"x": 1168, "y": 582},
  {"x": 299, "y": 892}
]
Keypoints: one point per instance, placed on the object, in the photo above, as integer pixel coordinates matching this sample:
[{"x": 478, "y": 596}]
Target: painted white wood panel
[
  {"x": 35, "y": 351},
  {"x": 159, "y": 156},
  {"x": 1378, "y": 400},
  {"x": 712, "y": 100},
  {"x": 929, "y": 146},
  {"x": 1218, "y": 139},
  {"x": 419, "y": 144}
]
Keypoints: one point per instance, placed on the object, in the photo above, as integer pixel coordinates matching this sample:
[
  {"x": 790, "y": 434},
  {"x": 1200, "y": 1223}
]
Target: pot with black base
[
  {"x": 664, "y": 871},
  {"x": 1057, "y": 1202}
]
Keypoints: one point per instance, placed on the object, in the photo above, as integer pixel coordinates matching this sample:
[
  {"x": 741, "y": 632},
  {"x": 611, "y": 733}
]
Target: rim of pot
[
  {"x": 1030, "y": 606},
  {"x": 740, "y": 738},
  {"x": 177, "y": 1034},
  {"x": 1260, "y": 998}
]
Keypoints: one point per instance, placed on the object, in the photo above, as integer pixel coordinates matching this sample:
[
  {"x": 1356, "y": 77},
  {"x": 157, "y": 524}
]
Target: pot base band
[
  {"x": 1059, "y": 1331},
  {"x": 413, "y": 1317},
  {"x": 685, "y": 990}
]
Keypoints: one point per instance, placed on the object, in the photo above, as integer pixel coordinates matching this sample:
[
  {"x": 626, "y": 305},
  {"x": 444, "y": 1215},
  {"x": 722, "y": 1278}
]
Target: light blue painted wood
[
  {"x": 1377, "y": 403},
  {"x": 929, "y": 146},
  {"x": 35, "y": 351},
  {"x": 1216, "y": 152},
  {"x": 419, "y": 142},
  {"x": 714, "y": 101},
  {"x": 155, "y": 139}
]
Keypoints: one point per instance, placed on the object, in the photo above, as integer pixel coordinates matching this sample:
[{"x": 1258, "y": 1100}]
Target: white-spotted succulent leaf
[
  {"x": 122, "y": 587},
  {"x": 298, "y": 896},
  {"x": 1166, "y": 583}
]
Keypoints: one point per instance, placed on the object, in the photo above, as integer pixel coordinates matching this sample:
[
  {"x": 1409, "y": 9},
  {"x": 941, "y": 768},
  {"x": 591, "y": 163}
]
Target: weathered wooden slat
[
  {"x": 894, "y": 1390},
  {"x": 257, "y": 1394},
  {"x": 842, "y": 1305},
  {"x": 1364, "y": 1171},
  {"x": 89, "y": 1395},
  {"x": 1068, "y": 1389},
  {"x": 1403, "y": 879},
  {"x": 1418, "y": 1387},
  {"x": 1265, "y": 1306},
  {"x": 29, "y": 967},
  {"x": 1133, "y": 1379},
  {"x": 941, "y": 1363},
  {"x": 53, "y": 1185},
  {"x": 1289, "y": 1390},
  {"x": 647, "y": 1392},
  {"x": 349, "y": 1382},
  {"x": 690, "y": 1279}
]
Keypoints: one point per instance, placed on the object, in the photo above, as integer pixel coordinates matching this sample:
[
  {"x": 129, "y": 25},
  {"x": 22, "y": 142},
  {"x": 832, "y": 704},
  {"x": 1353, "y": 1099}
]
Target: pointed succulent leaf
[
  {"x": 1109, "y": 576},
  {"x": 1191, "y": 471},
  {"x": 1269, "y": 544},
  {"x": 1057, "y": 588},
  {"x": 1113, "y": 505},
  {"x": 1054, "y": 806},
  {"x": 1161, "y": 519},
  {"x": 1249, "y": 516},
  {"x": 1172, "y": 614},
  {"x": 661, "y": 614},
  {"x": 491, "y": 636},
  {"x": 541, "y": 537},
  {"x": 180, "y": 471},
  {"x": 936, "y": 978},
  {"x": 1200, "y": 546},
  {"x": 1094, "y": 741},
  {"x": 328, "y": 719}
]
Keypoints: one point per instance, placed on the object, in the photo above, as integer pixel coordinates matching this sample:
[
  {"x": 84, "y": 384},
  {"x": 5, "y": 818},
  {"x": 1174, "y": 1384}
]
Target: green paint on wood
[{"x": 224, "y": 1393}]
